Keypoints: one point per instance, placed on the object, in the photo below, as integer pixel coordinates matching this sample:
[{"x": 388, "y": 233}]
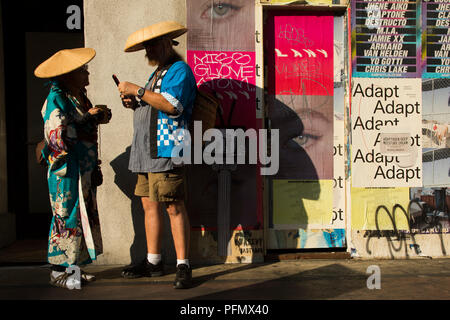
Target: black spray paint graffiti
[
  {"x": 395, "y": 235},
  {"x": 247, "y": 244}
]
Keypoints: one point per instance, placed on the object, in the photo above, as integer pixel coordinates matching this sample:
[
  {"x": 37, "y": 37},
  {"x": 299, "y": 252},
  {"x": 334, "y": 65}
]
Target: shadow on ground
[
  {"x": 115, "y": 273},
  {"x": 322, "y": 283}
]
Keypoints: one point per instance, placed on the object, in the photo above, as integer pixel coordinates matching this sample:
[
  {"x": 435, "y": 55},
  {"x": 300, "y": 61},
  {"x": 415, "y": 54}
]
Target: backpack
[{"x": 204, "y": 109}]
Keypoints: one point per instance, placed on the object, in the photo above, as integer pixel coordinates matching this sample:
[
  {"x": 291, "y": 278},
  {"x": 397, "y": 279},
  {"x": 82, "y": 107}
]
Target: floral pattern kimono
[{"x": 71, "y": 153}]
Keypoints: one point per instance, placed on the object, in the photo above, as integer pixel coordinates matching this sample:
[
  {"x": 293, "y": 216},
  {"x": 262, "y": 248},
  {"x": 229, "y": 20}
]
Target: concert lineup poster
[
  {"x": 436, "y": 39},
  {"x": 386, "y": 39}
]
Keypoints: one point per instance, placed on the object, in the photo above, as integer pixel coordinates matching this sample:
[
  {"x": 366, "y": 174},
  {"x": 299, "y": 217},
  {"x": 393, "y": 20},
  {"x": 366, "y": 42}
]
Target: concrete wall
[
  {"x": 7, "y": 220},
  {"x": 108, "y": 23},
  {"x": 370, "y": 245}
]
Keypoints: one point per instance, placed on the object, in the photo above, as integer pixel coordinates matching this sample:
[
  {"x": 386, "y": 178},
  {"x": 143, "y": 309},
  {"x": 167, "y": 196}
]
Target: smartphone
[{"x": 116, "y": 80}]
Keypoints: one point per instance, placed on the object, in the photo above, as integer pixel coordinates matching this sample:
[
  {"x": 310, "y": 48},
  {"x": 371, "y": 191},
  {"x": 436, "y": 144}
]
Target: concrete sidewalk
[{"x": 287, "y": 280}]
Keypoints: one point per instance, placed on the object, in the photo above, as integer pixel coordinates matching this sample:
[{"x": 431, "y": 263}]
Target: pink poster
[
  {"x": 231, "y": 77},
  {"x": 302, "y": 52}
]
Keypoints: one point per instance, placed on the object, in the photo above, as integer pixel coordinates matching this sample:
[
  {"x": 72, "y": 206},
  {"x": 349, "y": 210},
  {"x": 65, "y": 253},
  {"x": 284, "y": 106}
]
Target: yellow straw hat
[
  {"x": 170, "y": 29},
  {"x": 64, "y": 61}
]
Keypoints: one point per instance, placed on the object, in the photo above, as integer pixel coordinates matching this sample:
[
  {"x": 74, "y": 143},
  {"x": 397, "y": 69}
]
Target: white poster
[{"x": 387, "y": 132}]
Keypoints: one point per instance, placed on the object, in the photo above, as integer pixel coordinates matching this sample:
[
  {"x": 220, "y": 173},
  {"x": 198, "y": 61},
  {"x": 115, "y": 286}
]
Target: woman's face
[{"x": 78, "y": 78}]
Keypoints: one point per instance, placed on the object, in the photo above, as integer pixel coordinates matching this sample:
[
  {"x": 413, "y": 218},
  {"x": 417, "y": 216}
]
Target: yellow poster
[
  {"x": 366, "y": 202},
  {"x": 303, "y": 204}
]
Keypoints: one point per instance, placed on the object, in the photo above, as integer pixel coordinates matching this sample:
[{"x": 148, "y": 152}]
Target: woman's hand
[
  {"x": 128, "y": 89},
  {"x": 94, "y": 111},
  {"x": 101, "y": 116}
]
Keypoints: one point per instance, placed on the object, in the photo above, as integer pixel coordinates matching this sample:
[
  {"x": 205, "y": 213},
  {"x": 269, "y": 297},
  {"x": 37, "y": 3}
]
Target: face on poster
[
  {"x": 386, "y": 133},
  {"x": 305, "y": 124},
  {"x": 221, "y": 25}
]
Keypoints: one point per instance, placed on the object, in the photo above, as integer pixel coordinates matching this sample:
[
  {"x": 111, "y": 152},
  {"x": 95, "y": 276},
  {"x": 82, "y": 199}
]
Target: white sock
[
  {"x": 154, "y": 258},
  {"x": 184, "y": 261}
]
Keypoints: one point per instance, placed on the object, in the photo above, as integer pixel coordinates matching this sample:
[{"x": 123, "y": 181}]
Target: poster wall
[
  {"x": 386, "y": 132},
  {"x": 306, "y": 104},
  {"x": 300, "y": 87},
  {"x": 429, "y": 201},
  {"x": 221, "y": 53}
]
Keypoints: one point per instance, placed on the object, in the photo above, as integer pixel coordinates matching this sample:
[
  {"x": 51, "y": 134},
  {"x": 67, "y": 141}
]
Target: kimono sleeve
[
  {"x": 179, "y": 87},
  {"x": 60, "y": 133}
]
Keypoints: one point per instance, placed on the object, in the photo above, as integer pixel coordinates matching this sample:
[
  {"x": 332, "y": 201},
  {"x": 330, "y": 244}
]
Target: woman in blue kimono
[{"x": 71, "y": 152}]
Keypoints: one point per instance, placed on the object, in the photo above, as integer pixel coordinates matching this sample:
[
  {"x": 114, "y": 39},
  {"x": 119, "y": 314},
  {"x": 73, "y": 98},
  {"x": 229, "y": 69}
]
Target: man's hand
[
  {"x": 129, "y": 102},
  {"x": 128, "y": 88}
]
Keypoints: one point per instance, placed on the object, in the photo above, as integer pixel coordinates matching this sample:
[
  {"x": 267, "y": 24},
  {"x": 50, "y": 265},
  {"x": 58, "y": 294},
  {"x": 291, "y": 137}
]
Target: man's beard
[{"x": 151, "y": 60}]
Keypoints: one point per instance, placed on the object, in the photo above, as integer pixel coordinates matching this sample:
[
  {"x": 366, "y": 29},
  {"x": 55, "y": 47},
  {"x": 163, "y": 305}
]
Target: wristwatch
[{"x": 140, "y": 93}]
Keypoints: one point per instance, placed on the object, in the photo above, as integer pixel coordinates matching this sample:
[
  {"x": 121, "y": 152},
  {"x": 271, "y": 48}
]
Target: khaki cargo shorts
[{"x": 166, "y": 186}]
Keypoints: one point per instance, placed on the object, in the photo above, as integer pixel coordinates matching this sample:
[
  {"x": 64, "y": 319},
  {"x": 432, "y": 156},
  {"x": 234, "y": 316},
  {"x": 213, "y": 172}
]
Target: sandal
[
  {"x": 65, "y": 280},
  {"x": 86, "y": 277}
]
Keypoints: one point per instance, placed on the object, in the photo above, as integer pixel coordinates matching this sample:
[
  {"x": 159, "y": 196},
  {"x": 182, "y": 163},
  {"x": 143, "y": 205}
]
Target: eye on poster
[
  {"x": 386, "y": 38},
  {"x": 386, "y": 133}
]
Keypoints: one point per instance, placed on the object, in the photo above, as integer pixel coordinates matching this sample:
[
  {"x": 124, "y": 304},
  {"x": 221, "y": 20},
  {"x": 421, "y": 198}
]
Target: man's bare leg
[
  {"x": 181, "y": 229},
  {"x": 151, "y": 266},
  {"x": 153, "y": 225}
]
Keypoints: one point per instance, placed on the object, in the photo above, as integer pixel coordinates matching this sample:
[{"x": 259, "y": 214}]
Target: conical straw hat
[
  {"x": 170, "y": 29},
  {"x": 64, "y": 61}
]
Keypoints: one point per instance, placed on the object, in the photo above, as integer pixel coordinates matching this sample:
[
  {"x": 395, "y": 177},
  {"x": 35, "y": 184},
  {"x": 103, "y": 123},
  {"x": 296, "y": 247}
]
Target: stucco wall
[{"x": 108, "y": 23}]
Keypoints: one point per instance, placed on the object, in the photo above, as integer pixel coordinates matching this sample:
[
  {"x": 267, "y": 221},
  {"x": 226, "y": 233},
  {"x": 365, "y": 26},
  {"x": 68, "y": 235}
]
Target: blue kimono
[{"x": 71, "y": 154}]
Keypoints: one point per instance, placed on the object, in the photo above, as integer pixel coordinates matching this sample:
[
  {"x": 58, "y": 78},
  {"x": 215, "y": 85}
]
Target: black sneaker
[
  {"x": 183, "y": 279},
  {"x": 143, "y": 269}
]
